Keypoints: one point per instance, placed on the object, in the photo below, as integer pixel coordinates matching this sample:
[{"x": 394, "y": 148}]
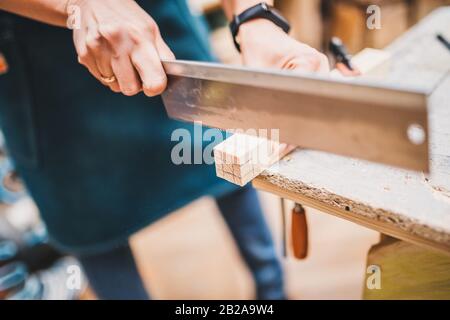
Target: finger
[
  {"x": 344, "y": 70},
  {"x": 163, "y": 49},
  {"x": 84, "y": 57},
  {"x": 126, "y": 75},
  {"x": 105, "y": 68},
  {"x": 324, "y": 66},
  {"x": 99, "y": 49},
  {"x": 147, "y": 62}
]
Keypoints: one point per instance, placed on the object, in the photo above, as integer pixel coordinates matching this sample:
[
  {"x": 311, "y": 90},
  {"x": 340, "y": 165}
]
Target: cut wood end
[{"x": 241, "y": 158}]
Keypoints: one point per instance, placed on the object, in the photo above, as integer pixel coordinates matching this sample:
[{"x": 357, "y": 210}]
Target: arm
[
  {"x": 263, "y": 44},
  {"x": 48, "y": 11},
  {"x": 233, "y": 7}
]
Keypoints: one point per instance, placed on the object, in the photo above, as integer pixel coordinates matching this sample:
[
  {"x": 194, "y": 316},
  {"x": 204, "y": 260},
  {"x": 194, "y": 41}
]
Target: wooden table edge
[{"x": 261, "y": 184}]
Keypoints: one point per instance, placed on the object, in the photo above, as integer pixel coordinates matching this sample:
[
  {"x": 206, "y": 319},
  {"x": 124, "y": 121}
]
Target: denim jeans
[{"x": 113, "y": 274}]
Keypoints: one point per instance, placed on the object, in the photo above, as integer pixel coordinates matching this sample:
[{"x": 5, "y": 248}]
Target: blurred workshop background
[
  {"x": 314, "y": 22},
  {"x": 195, "y": 257}
]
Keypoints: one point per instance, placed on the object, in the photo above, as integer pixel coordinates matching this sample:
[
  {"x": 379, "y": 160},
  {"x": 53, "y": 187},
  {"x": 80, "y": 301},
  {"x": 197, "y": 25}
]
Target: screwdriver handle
[{"x": 299, "y": 230}]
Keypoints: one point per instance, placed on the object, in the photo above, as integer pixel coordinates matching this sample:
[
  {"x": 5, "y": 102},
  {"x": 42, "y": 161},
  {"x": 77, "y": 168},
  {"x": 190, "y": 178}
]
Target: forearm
[
  {"x": 232, "y": 7},
  {"x": 48, "y": 11}
]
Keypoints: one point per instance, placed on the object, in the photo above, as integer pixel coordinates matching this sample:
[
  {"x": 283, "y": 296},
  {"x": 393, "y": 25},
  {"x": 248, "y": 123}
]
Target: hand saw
[{"x": 355, "y": 118}]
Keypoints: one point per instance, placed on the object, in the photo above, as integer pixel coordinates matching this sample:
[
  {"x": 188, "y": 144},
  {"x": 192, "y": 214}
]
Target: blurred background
[
  {"x": 195, "y": 256},
  {"x": 315, "y": 22}
]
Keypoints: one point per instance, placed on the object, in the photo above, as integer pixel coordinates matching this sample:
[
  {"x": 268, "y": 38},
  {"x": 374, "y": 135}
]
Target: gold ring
[{"x": 109, "y": 79}]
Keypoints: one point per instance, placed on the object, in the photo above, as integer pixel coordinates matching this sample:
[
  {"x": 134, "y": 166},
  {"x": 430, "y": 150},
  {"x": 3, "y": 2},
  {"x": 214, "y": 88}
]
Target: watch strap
[{"x": 259, "y": 11}]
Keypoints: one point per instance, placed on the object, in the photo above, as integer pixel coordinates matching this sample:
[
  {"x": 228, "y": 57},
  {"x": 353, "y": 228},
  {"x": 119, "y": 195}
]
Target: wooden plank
[
  {"x": 379, "y": 220},
  {"x": 411, "y": 206}
]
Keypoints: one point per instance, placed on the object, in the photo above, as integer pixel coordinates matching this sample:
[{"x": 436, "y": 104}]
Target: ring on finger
[{"x": 110, "y": 79}]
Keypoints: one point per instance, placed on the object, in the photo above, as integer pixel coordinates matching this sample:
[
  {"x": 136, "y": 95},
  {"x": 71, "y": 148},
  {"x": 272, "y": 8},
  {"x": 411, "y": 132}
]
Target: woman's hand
[
  {"x": 121, "y": 46},
  {"x": 265, "y": 45}
]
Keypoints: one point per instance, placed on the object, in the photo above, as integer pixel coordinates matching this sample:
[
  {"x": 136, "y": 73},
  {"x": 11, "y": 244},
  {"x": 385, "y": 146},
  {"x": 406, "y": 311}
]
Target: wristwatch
[{"x": 259, "y": 11}]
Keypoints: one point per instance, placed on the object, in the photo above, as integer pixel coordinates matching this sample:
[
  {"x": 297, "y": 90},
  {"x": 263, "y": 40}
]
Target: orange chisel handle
[{"x": 299, "y": 232}]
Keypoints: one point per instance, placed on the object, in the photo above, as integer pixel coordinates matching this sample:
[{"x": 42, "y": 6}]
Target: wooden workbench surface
[{"x": 408, "y": 205}]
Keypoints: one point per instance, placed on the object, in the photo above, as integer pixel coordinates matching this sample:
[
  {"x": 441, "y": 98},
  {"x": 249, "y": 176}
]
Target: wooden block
[
  {"x": 237, "y": 150},
  {"x": 241, "y": 158}
]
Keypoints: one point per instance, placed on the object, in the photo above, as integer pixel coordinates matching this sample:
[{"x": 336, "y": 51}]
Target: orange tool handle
[{"x": 299, "y": 232}]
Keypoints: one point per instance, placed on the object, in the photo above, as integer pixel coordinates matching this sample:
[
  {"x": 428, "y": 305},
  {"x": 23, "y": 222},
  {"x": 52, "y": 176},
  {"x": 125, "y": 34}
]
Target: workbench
[{"x": 411, "y": 206}]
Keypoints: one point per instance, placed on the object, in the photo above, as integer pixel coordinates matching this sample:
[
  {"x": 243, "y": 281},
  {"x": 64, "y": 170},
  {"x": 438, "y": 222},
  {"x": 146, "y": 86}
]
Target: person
[{"x": 94, "y": 152}]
